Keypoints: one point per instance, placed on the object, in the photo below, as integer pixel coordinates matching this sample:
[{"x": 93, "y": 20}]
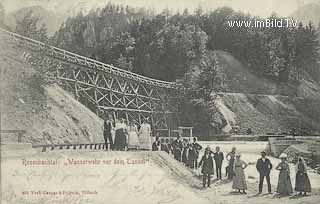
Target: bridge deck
[{"x": 85, "y": 61}]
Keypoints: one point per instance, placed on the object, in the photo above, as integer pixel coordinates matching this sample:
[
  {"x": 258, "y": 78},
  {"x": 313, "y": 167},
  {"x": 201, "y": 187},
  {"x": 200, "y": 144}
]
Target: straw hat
[{"x": 283, "y": 155}]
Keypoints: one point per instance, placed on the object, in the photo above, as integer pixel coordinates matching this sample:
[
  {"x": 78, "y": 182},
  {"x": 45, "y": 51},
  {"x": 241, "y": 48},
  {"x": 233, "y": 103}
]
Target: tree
[{"x": 28, "y": 26}]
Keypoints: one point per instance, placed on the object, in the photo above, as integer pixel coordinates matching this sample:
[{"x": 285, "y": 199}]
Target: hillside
[
  {"x": 51, "y": 19},
  {"x": 263, "y": 105},
  {"x": 47, "y": 113}
]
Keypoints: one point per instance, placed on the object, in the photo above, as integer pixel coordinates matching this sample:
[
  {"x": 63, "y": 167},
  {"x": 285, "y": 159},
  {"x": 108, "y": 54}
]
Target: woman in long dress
[
  {"x": 239, "y": 178},
  {"x": 302, "y": 180},
  {"x": 230, "y": 157},
  {"x": 284, "y": 182},
  {"x": 145, "y": 136},
  {"x": 133, "y": 140}
]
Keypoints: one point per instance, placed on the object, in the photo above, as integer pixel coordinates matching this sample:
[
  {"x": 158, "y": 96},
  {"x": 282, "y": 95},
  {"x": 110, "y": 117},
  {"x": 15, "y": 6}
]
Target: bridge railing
[{"x": 85, "y": 61}]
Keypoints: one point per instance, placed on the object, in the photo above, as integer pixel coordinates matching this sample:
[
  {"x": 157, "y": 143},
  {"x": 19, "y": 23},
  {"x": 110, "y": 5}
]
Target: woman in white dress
[
  {"x": 239, "y": 177},
  {"x": 133, "y": 140},
  {"x": 145, "y": 136}
]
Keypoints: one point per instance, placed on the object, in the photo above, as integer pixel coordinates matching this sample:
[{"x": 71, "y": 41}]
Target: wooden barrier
[{"x": 95, "y": 146}]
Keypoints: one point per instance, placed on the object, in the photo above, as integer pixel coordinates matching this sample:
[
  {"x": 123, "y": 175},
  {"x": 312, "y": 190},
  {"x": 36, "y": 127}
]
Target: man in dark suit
[
  {"x": 264, "y": 167},
  {"x": 156, "y": 144},
  {"x": 166, "y": 146},
  {"x": 218, "y": 158},
  {"x": 207, "y": 167},
  {"x": 107, "y": 133}
]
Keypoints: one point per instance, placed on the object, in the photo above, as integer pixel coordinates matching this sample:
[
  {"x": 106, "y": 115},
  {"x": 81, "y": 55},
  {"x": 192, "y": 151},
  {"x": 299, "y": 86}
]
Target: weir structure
[{"x": 103, "y": 88}]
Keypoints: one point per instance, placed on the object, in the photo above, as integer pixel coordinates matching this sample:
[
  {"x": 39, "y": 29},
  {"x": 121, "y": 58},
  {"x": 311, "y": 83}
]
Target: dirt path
[
  {"x": 128, "y": 178},
  {"x": 221, "y": 191}
]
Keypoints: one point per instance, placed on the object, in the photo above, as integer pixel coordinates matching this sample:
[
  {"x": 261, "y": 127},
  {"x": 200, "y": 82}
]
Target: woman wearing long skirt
[
  {"x": 239, "y": 178},
  {"x": 145, "y": 136},
  {"x": 302, "y": 180},
  {"x": 133, "y": 140},
  {"x": 230, "y": 157},
  {"x": 284, "y": 182},
  {"x": 120, "y": 141}
]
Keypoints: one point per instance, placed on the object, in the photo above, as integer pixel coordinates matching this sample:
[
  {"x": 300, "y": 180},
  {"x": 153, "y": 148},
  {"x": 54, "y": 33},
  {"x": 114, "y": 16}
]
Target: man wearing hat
[
  {"x": 207, "y": 167},
  {"x": 264, "y": 167}
]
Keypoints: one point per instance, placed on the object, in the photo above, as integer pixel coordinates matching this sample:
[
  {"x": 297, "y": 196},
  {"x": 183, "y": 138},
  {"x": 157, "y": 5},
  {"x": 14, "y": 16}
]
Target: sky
[{"x": 261, "y": 8}]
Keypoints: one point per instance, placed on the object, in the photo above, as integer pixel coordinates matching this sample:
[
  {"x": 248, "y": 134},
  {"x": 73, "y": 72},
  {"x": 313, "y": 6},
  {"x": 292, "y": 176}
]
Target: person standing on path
[
  {"x": 284, "y": 182},
  {"x": 177, "y": 147},
  {"x": 107, "y": 133},
  {"x": 230, "y": 157},
  {"x": 145, "y": 136},
  {"x": 156, "y": 145},
  {"x": 207, "y": 167},
  {"x": 302, "y": 180},
  {"x": 239, "y": 177},
  {"x": 133, "y": 139},
  {"x": 264, "y": 167},
  {"x": 194, "y": 153},
  {"x": 218, "y": 158}
]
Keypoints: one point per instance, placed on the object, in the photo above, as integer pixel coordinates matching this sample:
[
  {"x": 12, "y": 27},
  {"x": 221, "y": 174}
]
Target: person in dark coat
[
  {"x": 264, "y": 167},
  {"x": 218, "y": 158},
  {"x": 185, "y": 152},
  {"x": 194, "y": 149},
  {"x": 231, "y": 158},
  {"x": 120, "y": 141},
  {"x": 302, "y": 180},
  {"x": 177, "y": 147},
  {"x": 107, "y": 133},
  {"x": 166, "y": 147},
  {"x": 156, "y": 144},
  {"x": 207, "y": 167}
]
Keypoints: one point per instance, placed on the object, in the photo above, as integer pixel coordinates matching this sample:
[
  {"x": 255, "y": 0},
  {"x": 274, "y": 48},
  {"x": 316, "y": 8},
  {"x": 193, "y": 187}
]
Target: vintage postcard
[{"x": 155, "y": 102}]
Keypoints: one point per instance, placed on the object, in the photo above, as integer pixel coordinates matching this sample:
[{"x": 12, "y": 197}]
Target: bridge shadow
[
  {"x": 279, "y": 196},
  {"x": 233, "y": 193},
  {"x": 298, "y": 196},
  {"x": 258, "y": 195}
]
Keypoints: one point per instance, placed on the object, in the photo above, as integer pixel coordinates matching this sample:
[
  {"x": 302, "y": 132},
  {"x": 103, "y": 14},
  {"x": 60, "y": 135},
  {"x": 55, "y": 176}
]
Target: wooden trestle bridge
[{"x": 103, "y": 88}]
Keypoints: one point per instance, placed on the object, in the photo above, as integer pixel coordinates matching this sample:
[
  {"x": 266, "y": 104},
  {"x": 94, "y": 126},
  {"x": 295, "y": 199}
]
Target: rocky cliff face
[{"x": 249, "y": 101}]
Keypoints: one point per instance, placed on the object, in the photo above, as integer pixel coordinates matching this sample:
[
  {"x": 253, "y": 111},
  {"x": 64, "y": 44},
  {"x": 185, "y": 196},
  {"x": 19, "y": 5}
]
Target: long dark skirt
[
  {"x": 184, "y": 156},
  {"x": 120, "y": 141},
  {"x": 302, "y": 182},
  {"x": 108, "y": 139},
  {"x": 284, "y": 183},
  {"x": 230, "y": 169}
]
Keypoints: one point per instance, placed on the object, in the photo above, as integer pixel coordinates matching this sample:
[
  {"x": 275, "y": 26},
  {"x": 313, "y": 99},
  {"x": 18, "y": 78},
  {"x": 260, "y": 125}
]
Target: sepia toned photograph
[{"x": 160, "y": 102}]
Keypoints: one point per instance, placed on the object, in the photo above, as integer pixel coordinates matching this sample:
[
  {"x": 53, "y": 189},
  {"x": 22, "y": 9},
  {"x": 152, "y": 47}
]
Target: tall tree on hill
[
  {"x": 307, "y": 49},
  {"x": 28, "y": 26}
]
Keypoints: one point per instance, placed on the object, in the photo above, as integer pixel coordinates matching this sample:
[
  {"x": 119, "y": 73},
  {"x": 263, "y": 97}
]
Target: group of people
[
  {"x": 236, "y": 171},
  {"x": 302, "y": 184},
  {"x": 188, "y": 153},
  {"x": 182, "y": 149},
  {"x": 121, "y": 136}
]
